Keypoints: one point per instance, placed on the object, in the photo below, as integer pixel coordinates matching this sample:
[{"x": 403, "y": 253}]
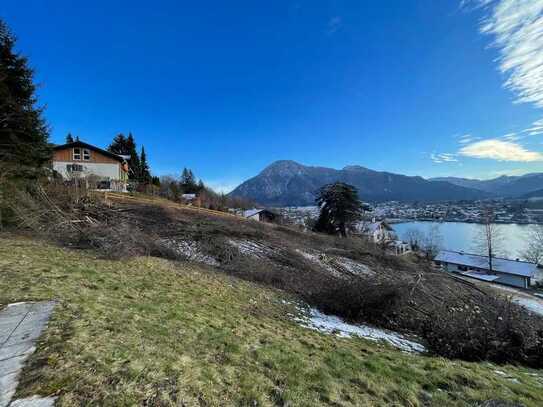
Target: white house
[
  {"x": 515, "y": 273},
  {"x": 380, "y": 232},
  {"x": 81, "y": 160}
]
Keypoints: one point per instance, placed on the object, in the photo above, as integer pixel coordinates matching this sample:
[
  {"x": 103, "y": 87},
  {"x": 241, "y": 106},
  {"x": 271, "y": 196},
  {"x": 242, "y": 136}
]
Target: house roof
[
  {"x": 252, "y": 212},
  {"x": 516, "y": 267},
  {"x": 90, "y": 147},
  {"x": 373, "y": 226}
]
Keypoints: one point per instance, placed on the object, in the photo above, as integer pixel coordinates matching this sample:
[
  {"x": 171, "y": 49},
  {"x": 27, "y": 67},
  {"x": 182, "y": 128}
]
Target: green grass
[{"x": 153, "y": 332}]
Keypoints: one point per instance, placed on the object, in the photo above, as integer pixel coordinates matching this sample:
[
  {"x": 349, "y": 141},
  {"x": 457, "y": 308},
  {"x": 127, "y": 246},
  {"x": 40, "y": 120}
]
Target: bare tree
[
  {"x": 415, "y": 238},
  {"x": 534, "y": 249},
  {"x": 433, "y": 241},
  {"x": 488, "y": 240}
]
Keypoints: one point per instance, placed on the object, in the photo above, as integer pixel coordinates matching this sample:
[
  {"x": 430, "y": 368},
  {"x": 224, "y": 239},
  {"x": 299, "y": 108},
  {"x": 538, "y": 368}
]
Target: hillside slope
[
  {"x": 287, "y": 183},
  {"x": 154, "y": 332}
]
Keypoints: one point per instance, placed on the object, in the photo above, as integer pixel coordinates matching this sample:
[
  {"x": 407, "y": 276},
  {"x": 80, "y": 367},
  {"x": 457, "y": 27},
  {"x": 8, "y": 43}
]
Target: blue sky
[{"x": 420, "y": 87}]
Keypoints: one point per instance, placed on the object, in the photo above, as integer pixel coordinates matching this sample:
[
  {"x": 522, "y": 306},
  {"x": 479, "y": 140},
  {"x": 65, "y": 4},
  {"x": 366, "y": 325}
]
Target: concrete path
[{"x": 21, "y": 324}]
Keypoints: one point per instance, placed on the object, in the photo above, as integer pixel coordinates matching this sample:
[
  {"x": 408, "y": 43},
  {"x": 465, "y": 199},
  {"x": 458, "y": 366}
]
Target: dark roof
[
  {"x": 90, "y": 147},
  {"x": 516, "y": 267}
]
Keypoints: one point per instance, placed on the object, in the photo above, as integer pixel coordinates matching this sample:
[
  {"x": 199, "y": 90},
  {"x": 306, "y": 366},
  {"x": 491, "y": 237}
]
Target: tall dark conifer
[
  {"x": 119, "y": 145},
  {"x": 134, "y": 162},
  {"x": 145, "y": 174},
  {"x": 24, "y": 147},
  {"x": 340, "y": 208}
]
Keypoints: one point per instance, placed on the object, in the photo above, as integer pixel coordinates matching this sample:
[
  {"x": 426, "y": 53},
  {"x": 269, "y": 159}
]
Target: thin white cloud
[
  {"x": 517, "y": 28},
  {"x": 500, "y": 150},
  {"x": 467, "y": 138},
  {"x": 511, "y": 137},
  {"x": 440, "y": 158}
]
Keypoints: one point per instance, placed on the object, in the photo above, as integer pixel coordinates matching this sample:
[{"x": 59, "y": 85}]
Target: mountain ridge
[
  {"x": 507, "y": 186},
  {"x": 289, "y": 183}
]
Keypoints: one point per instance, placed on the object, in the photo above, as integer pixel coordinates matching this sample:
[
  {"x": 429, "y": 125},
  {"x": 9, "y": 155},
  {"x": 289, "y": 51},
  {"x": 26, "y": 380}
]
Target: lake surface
[{"x": 461, "y": 236}]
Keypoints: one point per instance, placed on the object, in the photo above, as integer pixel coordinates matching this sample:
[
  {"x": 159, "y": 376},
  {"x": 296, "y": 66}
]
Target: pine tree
[
  {"x": 69, "y": 138},
  {"x": 119, "y": 145},
  {"x": 188, "y": 182},
  {"x": 340, "y": 208},
  {"x": 24, "y": 147},
  {"x": 145, "y": 174},
  {"x": 135, "y": 165}
]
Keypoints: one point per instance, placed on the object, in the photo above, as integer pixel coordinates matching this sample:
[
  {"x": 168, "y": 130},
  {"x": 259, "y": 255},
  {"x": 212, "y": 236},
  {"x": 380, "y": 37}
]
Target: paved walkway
[{"x": 21, "y": 324}]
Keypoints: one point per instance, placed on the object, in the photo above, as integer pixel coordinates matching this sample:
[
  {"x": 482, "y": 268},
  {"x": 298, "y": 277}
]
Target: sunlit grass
[{"x": 153, "y": 332}]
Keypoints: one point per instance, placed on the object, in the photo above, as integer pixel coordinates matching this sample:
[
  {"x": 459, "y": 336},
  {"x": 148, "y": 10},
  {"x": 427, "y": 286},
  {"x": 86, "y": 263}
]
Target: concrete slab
[
  {"x": 21, "y": 324},
  {"x": 34, "y": 402}
]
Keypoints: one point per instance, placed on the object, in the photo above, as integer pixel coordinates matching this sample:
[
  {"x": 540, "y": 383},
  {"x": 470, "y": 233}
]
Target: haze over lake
[{"x": 461, "y": 236}]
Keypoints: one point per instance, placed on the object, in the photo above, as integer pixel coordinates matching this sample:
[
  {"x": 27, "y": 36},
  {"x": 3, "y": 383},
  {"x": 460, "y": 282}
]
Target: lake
[{"x": 461, "y": 236}]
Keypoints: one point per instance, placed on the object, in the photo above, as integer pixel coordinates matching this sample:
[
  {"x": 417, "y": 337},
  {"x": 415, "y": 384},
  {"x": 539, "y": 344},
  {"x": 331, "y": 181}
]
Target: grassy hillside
[{"x": 154, "y": 332}]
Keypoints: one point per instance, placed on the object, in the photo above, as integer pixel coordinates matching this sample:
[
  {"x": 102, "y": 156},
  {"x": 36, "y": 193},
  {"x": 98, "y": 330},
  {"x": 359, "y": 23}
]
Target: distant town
[{"x": 506, "y": 212}]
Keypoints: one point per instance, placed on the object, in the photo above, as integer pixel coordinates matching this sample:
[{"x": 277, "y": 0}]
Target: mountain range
[
  {"x": 288, "y": 183},
  {"x": 504, "y": 186}
]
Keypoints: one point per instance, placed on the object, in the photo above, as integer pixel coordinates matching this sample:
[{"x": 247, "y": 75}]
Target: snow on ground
[
  {"x": 250, "y": 248},
  {"x": 353, "y": 266},
  {"x": 331, "y": 324},
  {"x": 317, "y": 258},
  {"x": 335, "y": 264},
  {"x": 533, "y": 305},
  {"x": 189, "y": 249}
]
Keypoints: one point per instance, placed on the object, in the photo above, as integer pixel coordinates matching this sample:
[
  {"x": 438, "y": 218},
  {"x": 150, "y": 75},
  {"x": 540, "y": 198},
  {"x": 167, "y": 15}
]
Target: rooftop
[{"x": 516, "y": 267}]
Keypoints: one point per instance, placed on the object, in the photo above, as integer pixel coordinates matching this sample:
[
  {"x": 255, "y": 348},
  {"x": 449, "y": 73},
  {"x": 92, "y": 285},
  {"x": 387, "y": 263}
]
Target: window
[
  {"x": 77, "y": 154},
  {"x": 86, "y": 155},
  {"x": 463, "y": 268},
  {"x": 74, "y": 168}
]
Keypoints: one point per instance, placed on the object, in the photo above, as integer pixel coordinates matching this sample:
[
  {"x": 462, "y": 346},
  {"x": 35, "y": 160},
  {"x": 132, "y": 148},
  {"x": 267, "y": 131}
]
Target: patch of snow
[
  {"x": 354, "y": 267},
  {"x": 191, "y": 250},
  {"x": 336, "y": 264},
  {"x": 250, "y": 248},
  {"x": 319, "y": 259},
  {"x": 533, "y": 305},
  {"x": 331, "y": 324}
]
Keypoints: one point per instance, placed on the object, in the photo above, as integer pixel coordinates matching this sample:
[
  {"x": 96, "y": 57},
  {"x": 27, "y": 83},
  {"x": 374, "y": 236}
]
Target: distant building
[
  {"x": 261, "y": 215},
  {"x": 515, "y": 273},
  {"x": 376, "y": 231},
  {"x": 82, "y": 160},
  {"x": 381, "y": 233}
]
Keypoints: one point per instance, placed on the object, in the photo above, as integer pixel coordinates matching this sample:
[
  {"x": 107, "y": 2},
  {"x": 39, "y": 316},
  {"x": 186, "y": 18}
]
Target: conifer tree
[
  {"x": 134, "y": 163},
  {"x": 340, "y": 208},
  {"x": 24, "y": 147},
  {"x": 119, "y": 145},
  {"x": 145, "y": 174}
]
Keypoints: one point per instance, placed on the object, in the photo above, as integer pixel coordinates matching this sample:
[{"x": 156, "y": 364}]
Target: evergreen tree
[
  {"x": 155, "y": 181},
  {"x": 119, "y": 145},
  {"x": 188, "y": 182},
  {"x": 69, "y": 138},
  {"x": 134, "y": 163},
  {"x": 24, "y": 147},
  {"x": 145, "y": 174},
  {"x": 340, "y": 208}
]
